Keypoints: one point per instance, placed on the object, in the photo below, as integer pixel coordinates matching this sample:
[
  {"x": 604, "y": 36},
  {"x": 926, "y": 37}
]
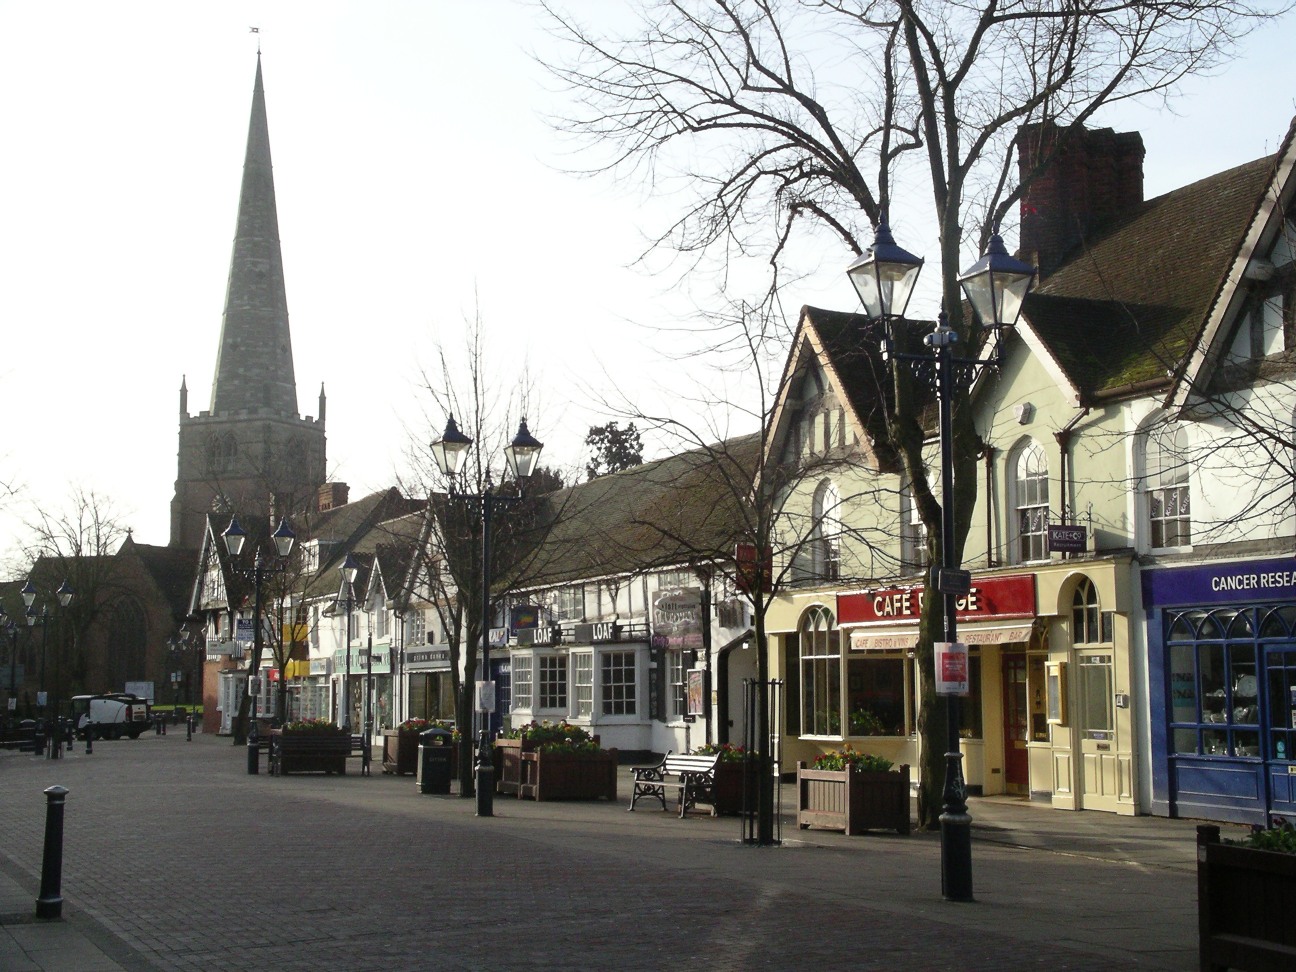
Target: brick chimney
[
  {"x": 333, "y": 495},
  {"x": 1094, "y": 175}
]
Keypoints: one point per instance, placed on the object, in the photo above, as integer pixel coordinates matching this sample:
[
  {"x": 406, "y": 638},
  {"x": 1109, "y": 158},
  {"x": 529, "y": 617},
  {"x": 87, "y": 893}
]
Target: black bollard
[
  {"x": 69, "y": 732},
  {"x": 89, "y": 738},
  {"x": 38, "y": 740},
  {"x": 50, "y": 903},
  {"x": 162, "y": 721},
  {"x": 189, "y": 727},
  {"x": 254, "y": 763}
]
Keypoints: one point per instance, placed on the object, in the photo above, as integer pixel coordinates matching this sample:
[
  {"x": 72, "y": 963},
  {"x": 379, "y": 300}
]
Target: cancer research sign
[{"x": 1256, "y": 580}]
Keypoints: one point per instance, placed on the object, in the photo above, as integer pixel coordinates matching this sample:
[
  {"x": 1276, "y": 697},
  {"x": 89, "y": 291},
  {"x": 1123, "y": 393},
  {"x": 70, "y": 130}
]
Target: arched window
[
  {"x": 1031, "y": 502},
  {"x": 826, "y": 540},
  {"x": 128, "y": 635},
  {"x": 1089, "y": 624},
  {"x": 1165, "y": 478},
  {"x": 820, "y": 673},
  {"x": 222, "y": 451}
]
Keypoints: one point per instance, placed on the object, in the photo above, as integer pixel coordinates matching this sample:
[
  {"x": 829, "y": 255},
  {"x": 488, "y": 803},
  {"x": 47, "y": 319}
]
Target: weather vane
[{"x": 257, "y": 31}]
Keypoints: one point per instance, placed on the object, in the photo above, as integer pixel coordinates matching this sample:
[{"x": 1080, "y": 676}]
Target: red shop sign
[{"x": 991, "y": 598}]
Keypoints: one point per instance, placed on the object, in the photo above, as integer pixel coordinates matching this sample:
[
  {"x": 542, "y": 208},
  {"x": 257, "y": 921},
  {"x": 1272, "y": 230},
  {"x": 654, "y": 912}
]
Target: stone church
[{"x": 250, "y": 450}]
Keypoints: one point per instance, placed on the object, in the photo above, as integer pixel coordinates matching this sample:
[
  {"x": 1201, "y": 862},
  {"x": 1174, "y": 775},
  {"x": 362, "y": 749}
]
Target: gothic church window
[{"x": 222, "y": 451}]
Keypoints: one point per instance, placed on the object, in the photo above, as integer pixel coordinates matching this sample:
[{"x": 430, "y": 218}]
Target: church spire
[{"x": 254, "y": 365}]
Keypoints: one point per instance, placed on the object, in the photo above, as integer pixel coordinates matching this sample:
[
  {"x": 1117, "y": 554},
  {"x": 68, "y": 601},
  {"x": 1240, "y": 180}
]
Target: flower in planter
[
  {"x": 311, "y": 725},
  {"x": 1279, "y": 836},
  {"x": 572, "y": 746},
  {"x": 728, "y": 752},
  {"x": 551, "y": 732},
  {"x": 847, "y": 758},
  {"x": 414, "y": 726}
]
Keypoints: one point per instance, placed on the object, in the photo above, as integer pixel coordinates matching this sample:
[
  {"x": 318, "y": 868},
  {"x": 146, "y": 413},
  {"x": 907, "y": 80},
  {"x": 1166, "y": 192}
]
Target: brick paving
[{"x": 177, "y": 859}]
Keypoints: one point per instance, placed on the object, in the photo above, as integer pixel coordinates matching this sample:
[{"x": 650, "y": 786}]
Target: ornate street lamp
[
  {"x": 235, "y": 538},
  {"x": 521, "y": 454},
  {"x": 64, "y": 595},
  {"x": 349, "y": 569},
  {"x": 996, "y": 286}
]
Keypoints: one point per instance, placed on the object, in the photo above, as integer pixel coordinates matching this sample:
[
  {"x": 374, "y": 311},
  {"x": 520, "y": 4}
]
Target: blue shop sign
[{"x": 1256, "y": 580}]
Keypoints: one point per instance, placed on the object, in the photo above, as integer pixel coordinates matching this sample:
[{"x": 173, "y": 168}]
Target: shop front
[
  {"x": 1048, "y": 712},
  {"x": 997, "y": 620},
  {"x": 1222, "y": 658},
  {"x": 429, "y": 690}
]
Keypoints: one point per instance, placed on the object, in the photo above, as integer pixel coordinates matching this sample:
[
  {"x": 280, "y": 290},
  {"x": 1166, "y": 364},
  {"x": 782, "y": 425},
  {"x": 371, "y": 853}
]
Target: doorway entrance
[{"x": 1015, "y": 723}]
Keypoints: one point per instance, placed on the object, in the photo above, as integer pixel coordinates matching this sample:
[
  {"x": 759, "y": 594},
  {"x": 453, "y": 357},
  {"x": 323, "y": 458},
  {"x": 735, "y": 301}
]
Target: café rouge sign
[{"x": 991, "y": 597}]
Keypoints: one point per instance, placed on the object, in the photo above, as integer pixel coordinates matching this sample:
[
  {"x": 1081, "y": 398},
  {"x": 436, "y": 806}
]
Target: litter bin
[{"x": 435, "y": 748}]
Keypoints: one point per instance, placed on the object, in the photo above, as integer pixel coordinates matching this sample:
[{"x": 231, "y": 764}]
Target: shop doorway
[{"x": 1015, "y": 722}]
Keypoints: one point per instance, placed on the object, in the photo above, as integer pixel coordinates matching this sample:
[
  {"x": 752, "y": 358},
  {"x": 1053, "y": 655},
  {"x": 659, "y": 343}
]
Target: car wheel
[{"x": 116, "y": 732}]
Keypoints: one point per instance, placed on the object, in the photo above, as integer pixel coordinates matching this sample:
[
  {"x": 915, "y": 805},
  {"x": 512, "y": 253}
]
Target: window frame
[
  {"x": 1031, "y": 503},
  {"x": 618, "y": 663},
  {"x": 1165, "y": 479},
  {"x": 821, "y": 666}
]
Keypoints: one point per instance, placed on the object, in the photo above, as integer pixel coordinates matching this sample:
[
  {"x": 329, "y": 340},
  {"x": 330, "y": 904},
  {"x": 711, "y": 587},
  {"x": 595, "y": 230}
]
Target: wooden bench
[{"x": 691, "y": 776}]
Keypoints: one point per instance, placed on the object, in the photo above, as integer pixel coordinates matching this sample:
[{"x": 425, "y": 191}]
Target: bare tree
[
  {"x": 787, "y": 124},
  {"x": 724, "y": 505},
  {"x": 76, "y": 544},
  {"x": 450, "y": 552}
]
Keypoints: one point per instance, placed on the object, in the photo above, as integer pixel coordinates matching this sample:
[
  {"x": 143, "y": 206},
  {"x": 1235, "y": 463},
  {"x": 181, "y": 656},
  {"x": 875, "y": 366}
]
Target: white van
[{"x": 110, "y": 716}]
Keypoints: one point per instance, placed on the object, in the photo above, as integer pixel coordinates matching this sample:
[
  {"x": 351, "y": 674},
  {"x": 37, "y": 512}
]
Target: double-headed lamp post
[
  {"x": 349, "y": 569},
  {"x": 522, "y": 454},
  {"x": 64, "y": 594},
  {"x": 995, "y": 286},
  {"x": 235, "y": 537}
]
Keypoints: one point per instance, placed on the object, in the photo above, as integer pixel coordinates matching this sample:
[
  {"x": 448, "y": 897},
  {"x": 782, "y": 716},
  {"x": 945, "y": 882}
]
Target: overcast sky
[{"x": 417, "y": 181}]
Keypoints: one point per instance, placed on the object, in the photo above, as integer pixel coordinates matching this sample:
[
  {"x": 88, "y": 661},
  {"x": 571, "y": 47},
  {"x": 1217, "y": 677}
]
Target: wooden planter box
[
  {"x": 1245, "y": 902},
  {"x": 853, "y": 801},
  {"x": 508, "y": 755},
  {"x": 728, "y": 789},
  {"x": 308, "y": 752},
  {"x": 400, "y": 752},
  {"x": 569, "y": 776}
]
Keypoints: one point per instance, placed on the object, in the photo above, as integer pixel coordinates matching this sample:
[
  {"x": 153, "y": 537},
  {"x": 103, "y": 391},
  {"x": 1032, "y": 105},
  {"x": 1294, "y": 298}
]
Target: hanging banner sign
[
  {"x": 951, "y": 668},
  {"x": 677, "y": 618}
]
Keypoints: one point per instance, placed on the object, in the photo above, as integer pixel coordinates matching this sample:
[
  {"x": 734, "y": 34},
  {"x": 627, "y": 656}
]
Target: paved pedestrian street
[{"x": 177, "y": 859}]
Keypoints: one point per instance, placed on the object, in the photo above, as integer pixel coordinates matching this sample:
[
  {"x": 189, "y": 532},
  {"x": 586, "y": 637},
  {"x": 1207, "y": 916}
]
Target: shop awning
[{"x": 906, "y": 639}]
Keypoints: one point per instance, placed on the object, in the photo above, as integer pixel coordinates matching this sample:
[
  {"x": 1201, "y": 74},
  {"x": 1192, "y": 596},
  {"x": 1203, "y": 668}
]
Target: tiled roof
[
  {"x": 1128, "y": 305},
  {"x": 672, "y": 511}
]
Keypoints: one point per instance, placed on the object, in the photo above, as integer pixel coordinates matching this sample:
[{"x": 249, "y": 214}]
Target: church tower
[{"x": 251, "y": 451}]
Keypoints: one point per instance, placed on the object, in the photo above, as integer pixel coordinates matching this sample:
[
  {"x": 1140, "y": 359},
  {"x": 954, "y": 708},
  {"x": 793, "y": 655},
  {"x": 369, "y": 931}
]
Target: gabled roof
[
  {"x": 848, "y": 348},
  {"x": 1123, "y": 313},
  {"x": 171, "y": 568}
]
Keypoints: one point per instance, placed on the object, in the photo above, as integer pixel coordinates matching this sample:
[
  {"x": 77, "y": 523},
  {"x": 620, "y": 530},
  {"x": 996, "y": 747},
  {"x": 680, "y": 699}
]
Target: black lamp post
[
  {"x": 64, "y": 594},
  {"x": 522, "y": 454},
  {"x": 350, "y": 567},
  {"x": 235, "y": 538},
  {"x": 996, "y": 286},
  {"x": 12, "y": 630}
]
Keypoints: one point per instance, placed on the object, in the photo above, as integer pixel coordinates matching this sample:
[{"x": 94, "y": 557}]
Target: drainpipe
[
  {"x": 987, "y": 456},
  {"x": 1063, "y": 437}
]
